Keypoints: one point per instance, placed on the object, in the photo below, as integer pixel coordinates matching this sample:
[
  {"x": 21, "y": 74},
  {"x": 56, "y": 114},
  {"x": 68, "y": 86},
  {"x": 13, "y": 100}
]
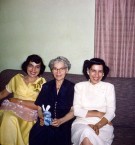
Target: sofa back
[
  {"x": 125, "y": 101},
  {"x": 124, "y": 88}
]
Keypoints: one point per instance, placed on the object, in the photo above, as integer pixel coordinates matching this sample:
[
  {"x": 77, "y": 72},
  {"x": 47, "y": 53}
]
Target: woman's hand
[
  {"x": 40, "y": 115},
  {"x": 67, "y": 117},
  {"x": 15, "y": 100},
  {"x": 56, "y": 122},
  {"x": 95, "y": 128},
  {"x": 41, "y": 121}
]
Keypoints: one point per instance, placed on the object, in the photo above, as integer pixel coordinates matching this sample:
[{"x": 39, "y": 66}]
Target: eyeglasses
[{"x": 59, "y": 69}]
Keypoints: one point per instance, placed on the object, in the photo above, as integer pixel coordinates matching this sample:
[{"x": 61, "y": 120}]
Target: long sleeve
[
  {"x": 78, "y": 108},
  {"x": 111, "y": 103}
]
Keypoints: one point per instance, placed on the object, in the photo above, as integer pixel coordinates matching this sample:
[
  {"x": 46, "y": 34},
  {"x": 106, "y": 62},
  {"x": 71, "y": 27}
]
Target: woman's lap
[
  {"x": 80, "y": 131},
  {"x": 14, "y": 129},
  {"x": 47, "y": 135}
]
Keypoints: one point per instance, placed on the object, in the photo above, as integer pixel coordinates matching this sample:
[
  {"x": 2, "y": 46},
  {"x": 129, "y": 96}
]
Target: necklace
[{"x": 58, "y": 85}]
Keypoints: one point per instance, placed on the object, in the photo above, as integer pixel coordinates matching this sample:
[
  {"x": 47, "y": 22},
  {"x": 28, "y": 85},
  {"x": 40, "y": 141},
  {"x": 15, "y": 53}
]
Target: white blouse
[{"x": 100, "y": 96}]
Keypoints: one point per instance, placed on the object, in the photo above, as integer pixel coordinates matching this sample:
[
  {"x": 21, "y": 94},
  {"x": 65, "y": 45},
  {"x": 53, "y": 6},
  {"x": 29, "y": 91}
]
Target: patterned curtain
[{"x": 115, "y": 35}]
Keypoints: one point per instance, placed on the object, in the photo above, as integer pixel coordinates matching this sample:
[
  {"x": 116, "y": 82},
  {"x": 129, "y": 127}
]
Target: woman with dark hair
[
  {"x": 18, "y": 114},
  {"x": 58, "y": 93},
  {"x": 94, "y": 106},
  {"x": 34, "y": 58}
]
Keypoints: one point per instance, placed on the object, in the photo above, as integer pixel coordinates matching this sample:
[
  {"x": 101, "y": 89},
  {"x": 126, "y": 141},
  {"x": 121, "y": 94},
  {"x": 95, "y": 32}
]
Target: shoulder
[
  {"x": 68, "y": 82},
  {"x": 14, "y": 82},
  {"x": 17, "y": 77},
  {"x": 82, "y": 84},
  {"x": 107, "y": 84},
  {"x": 49, "y": 83}
]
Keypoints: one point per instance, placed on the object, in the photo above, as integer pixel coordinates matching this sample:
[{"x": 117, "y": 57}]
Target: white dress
[{"x": 87, "y": 97}]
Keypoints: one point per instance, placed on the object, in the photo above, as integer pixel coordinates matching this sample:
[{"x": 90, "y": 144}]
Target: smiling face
[
  {"x": 59, "y": 71},
  {"x": 95, "y": 73},
  {"x": 33, "y": 69}
]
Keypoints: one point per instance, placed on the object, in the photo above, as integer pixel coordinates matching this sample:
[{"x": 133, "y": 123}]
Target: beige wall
[{"x": 46, "y": 27}]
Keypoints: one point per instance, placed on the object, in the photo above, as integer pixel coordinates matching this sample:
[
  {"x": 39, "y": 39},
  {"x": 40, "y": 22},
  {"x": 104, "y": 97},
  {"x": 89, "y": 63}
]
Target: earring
[{"x": 88, "y": 71}]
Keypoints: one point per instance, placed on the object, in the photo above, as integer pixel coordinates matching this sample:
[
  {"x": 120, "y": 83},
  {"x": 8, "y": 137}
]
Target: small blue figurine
[{"x": 47, "y": 115}]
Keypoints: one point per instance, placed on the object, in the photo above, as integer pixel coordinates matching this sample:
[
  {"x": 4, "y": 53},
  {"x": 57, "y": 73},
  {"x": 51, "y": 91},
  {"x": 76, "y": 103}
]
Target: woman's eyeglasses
[{"x": 59, "y": 69}]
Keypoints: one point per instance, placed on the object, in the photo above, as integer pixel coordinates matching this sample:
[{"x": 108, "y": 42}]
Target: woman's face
[
  {"x": 95, "y": 73},
  {"x": 59, "y": 71},
  {"x": 33, "y": 69}
]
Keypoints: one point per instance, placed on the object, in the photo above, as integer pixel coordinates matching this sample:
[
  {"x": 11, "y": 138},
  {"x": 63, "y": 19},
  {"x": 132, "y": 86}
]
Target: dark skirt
[{"x": 49, "y": 135}]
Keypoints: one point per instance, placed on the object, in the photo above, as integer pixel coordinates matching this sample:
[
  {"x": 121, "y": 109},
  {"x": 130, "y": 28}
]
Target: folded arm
[{"x": 26, "y": 103}]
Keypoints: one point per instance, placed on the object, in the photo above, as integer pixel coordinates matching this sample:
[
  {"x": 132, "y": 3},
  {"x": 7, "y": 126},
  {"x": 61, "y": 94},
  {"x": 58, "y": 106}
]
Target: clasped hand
[
  {"x": 95, "y": 128},
  {"x": 45, "y": 117},
  {"x": 54, "y": 122}
]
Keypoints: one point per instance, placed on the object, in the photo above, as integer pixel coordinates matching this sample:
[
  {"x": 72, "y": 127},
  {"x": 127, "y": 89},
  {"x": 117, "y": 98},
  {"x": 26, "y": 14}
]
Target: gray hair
[{"x": 60, "y": 59}]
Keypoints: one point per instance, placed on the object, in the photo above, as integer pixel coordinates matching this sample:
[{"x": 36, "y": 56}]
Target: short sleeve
[{"x": 11, "y": 86}]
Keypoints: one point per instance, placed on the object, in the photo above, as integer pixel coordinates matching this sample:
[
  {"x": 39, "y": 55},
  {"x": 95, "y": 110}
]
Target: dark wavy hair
[
  {"x": 33, "y": 58},
  {"x": 95, "y": 61}
]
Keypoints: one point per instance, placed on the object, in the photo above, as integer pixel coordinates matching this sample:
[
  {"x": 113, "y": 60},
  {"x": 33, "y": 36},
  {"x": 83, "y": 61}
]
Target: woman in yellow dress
[{"x": 19, "y": 113}]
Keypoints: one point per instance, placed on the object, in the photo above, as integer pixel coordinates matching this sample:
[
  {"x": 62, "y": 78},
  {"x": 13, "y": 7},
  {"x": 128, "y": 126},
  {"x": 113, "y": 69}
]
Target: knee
[{"x": 86, "y": 141}]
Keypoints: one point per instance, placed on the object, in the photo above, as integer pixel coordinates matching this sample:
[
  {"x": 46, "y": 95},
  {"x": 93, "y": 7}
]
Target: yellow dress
[{"x": 14, "y": 130}]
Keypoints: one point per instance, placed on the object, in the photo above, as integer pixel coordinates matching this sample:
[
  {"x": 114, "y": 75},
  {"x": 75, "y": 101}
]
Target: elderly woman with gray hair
[{"x": 58, "y": 94}]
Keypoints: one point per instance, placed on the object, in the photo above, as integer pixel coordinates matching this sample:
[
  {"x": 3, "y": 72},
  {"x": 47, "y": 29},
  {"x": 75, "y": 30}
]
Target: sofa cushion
[
  {"x": 124, "y": 136},
  {"x": 125, "y": 101}
]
